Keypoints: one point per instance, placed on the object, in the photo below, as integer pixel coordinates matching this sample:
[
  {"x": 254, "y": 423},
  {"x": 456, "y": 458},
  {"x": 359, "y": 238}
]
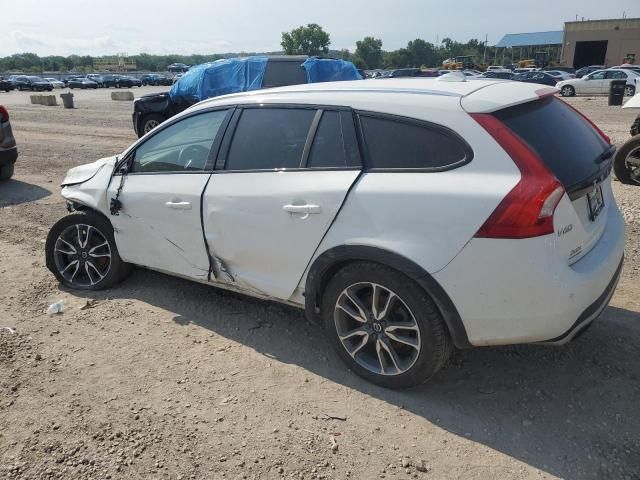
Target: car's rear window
[
  {"x": 568, "y": 145},
  {"x": 283, "y": 73}
]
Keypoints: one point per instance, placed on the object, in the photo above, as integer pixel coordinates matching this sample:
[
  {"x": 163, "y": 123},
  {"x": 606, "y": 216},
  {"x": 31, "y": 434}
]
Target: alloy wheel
[
  {"x": 82, "y": 255},
  {"x": 632, "y": 163},
  {"x": 629, "y": 91},
  {"x": 377, "y": 329},
  {"x": 150, "y": 125}
]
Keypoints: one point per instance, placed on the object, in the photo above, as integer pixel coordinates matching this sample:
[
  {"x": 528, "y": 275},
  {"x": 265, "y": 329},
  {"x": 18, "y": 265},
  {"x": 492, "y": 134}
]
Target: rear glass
[
  {"x": 280, "y": 74},
  {"x": 565, "y": 142}
]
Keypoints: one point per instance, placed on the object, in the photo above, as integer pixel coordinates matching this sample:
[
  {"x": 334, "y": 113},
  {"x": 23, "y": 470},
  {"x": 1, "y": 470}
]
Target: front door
[
  {"x": 596, "y": 82},
  {"x": 159, "y": 225},
  {"x": 285, "y": 175}
]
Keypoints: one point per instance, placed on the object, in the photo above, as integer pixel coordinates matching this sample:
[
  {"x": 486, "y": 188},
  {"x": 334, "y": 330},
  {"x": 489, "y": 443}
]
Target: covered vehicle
[{"x": 234, "y": 75}]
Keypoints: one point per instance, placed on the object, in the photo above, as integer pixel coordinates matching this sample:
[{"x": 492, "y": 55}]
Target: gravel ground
[{"x": 164, "y": 378}]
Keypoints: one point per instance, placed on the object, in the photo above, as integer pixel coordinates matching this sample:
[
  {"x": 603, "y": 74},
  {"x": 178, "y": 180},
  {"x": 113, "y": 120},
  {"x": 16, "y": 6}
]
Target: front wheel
[
  {"x": 384, "y": 326},
  {"x": 629, "y": 91},
  {"x": 567, "y": 91},
  {"x": 150, "y": 122},
  {"x": 626, "y": 164},
  {"x": 82, "y": 254}
]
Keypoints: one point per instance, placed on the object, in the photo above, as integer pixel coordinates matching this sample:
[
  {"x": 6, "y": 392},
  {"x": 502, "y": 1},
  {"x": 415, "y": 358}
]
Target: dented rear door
[{"x": 286, "y": 172}]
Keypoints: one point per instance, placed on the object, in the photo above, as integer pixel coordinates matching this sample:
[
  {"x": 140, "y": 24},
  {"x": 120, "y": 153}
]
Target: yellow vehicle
[
  {"x": 458, "y": 63},
  {"x": 541, "y": 60}
]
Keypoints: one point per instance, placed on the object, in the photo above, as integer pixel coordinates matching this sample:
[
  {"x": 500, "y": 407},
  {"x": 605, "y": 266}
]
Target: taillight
[
  {"x": 527, "y": 210},
  {"x": 590, "y": 122},
  {"x": 4, "y": 114}
]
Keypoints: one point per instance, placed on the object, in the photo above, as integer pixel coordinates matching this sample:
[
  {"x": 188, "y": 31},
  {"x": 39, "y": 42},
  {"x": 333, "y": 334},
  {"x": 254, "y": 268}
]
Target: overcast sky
[{"x": 93, "y": 27}]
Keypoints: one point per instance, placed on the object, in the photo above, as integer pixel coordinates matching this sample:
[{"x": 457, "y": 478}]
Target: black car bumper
[
  {"x": 135, "y": 116},
  {"x": 8, "y": 156}
]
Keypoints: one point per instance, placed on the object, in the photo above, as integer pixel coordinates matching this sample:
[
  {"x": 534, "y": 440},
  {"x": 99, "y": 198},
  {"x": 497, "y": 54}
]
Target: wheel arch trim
[{"x": 330, "y": 261}]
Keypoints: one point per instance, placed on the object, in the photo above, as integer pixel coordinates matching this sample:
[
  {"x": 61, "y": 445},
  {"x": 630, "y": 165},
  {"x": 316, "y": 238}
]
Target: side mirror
[{"x": 586, "y": 77}]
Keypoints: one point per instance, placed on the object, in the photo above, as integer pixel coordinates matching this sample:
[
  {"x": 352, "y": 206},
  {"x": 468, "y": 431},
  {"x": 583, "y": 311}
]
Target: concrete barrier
[
  {"x": 47, "y": 100},
  {"x": 126, "y": 96}
]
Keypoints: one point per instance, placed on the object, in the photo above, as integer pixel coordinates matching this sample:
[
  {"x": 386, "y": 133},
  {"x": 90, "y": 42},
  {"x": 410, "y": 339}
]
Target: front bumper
[{"x": 8, "y": 156}]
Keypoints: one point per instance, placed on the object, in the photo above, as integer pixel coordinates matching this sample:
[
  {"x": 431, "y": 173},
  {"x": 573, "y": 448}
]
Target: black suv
[
  {"x": 35, "y": 84},
  {"x": 151, "y": 110},
  {"x": 6, "y": 85}
]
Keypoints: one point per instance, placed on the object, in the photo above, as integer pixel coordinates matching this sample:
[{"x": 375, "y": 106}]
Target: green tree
[
  {"x": 310, "y": 40},
  {"x": 422, "y": 53},
  {"x": 369, "y": 50}
]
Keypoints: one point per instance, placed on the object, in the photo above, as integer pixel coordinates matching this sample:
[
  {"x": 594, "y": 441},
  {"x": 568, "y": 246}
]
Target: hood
[{"x": 87, "y": 171}]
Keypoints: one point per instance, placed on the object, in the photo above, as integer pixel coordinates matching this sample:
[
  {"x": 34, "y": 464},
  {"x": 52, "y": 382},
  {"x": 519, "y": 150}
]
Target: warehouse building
[{"x": 601, "y": 42}]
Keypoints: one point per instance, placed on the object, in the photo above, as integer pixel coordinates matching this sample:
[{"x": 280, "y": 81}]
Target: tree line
[{"x": 305, "y": 40}]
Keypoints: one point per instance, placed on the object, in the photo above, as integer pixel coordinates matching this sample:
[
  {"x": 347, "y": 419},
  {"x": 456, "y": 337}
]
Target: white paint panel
[
  {"x": 264, "y": 247},
  {"x": 151, "y": 233}
]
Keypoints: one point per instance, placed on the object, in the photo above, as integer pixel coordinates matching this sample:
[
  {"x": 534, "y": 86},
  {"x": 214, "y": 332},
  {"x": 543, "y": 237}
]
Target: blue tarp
[
  {"x": 231, "y": 75},
  {"x": 329, "y": 70}
]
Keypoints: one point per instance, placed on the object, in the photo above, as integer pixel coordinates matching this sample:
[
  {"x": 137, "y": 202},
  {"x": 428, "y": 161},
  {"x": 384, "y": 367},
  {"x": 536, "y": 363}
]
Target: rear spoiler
[{"x": 501, "y": 95}]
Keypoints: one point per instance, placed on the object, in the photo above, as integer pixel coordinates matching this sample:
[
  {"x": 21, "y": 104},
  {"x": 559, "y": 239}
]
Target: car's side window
[
  {"x": 282, "y": 73},
  {"x": 615, "y": 74},
  {"x": 335, "y": 143},
  {"x": 597, "y": 76},
  {"x": 183, "y": 146},
  {"x": 395, "y": 143},
  {"x": 269, "y": 138}
]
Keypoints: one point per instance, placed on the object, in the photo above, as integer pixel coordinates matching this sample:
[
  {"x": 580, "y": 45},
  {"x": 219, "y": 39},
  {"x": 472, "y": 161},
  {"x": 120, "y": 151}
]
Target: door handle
[
  {"x": 306, "y": 209},
  {"x": 179, "y": 205}
]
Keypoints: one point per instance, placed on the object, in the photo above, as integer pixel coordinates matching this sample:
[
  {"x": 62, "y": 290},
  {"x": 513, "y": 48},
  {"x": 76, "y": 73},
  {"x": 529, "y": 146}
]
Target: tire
[
  {"x": 629, "y": 91},
  {"x": 411, "y": 305},
  {"x": 6, "y": 172},
  {"x": 625, "y": 172},
  {"x": 149, "y": 122},
  {"x": 73, "y": 264},
  {"x": 568, "y": 91}
]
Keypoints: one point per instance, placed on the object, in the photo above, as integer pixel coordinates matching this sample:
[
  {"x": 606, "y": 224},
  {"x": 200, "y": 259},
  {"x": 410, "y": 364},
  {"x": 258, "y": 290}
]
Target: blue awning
[{"x": 531, "y": 39}]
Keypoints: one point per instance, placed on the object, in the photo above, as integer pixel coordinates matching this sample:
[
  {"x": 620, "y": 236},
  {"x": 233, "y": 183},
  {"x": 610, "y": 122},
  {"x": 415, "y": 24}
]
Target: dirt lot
[{"x": 163, "y": 378}]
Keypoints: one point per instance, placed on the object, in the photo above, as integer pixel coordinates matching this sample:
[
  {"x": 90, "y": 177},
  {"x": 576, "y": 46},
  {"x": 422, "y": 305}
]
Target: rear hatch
[{"x": 580, "y": 157}]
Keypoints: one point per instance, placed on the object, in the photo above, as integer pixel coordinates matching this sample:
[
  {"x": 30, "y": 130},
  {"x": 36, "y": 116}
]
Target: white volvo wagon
[{"x": 407, "y": 216}]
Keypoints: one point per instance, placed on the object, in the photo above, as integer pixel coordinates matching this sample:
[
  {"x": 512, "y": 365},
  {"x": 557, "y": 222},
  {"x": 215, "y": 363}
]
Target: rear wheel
[
  {"x": 81, "y": 252},
  {"x": 567, "y": 91},
  {"x": 626, "y": 164},
  {"x": 6, "y": 172},
  {"x": 384, "y": 326}
]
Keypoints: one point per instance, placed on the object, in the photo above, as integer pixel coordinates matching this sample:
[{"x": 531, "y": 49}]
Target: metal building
[
  {"x": 519, "y": 46},
  {"x": 601, "y": 42}
]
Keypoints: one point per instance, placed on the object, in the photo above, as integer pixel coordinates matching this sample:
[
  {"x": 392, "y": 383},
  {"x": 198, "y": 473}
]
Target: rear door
[
  {"x": 282, "y": 175},
  {"x": 579, "y": 157}
]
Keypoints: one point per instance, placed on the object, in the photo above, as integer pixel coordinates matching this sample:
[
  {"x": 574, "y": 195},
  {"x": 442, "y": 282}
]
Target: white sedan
[
  {"x": 55, "y": 83},
  {"x": 598, "y": 82}
]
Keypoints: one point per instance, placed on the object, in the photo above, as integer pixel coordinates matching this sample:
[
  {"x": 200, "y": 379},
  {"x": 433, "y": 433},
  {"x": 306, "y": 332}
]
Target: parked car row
[{"x": 91, "y": 80}]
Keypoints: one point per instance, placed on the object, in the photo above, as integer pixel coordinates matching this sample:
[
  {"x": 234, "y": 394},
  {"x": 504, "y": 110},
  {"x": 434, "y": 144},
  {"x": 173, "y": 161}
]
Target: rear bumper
[
  {"x": 509, "y": 292},
  {"x": 8, "y": 156},
  {"x": 591, "y": 313}
]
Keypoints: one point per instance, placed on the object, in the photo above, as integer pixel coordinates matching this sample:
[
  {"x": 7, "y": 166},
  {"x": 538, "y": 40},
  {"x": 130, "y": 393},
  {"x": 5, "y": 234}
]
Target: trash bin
[
  {"x": 616, "y": 92},
  {"x": 67, "y": 99}
]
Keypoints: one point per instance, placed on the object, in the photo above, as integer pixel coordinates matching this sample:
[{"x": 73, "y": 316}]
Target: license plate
[{"x": 596, "y": 202}]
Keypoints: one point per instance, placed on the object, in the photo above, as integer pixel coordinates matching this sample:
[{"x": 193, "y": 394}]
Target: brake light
[
  {"x": 4, "y": 114},
  {"x": 527, "y": 210},
  {"x": 590, "y": 122}
]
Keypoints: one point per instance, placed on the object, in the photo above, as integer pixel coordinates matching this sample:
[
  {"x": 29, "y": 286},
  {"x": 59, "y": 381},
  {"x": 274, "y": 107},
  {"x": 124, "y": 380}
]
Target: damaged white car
[{"x": 406, "y": 216}]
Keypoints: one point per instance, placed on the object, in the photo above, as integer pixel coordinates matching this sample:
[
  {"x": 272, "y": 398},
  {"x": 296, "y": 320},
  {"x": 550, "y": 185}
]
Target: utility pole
[{"x": 484, "y": 56}]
